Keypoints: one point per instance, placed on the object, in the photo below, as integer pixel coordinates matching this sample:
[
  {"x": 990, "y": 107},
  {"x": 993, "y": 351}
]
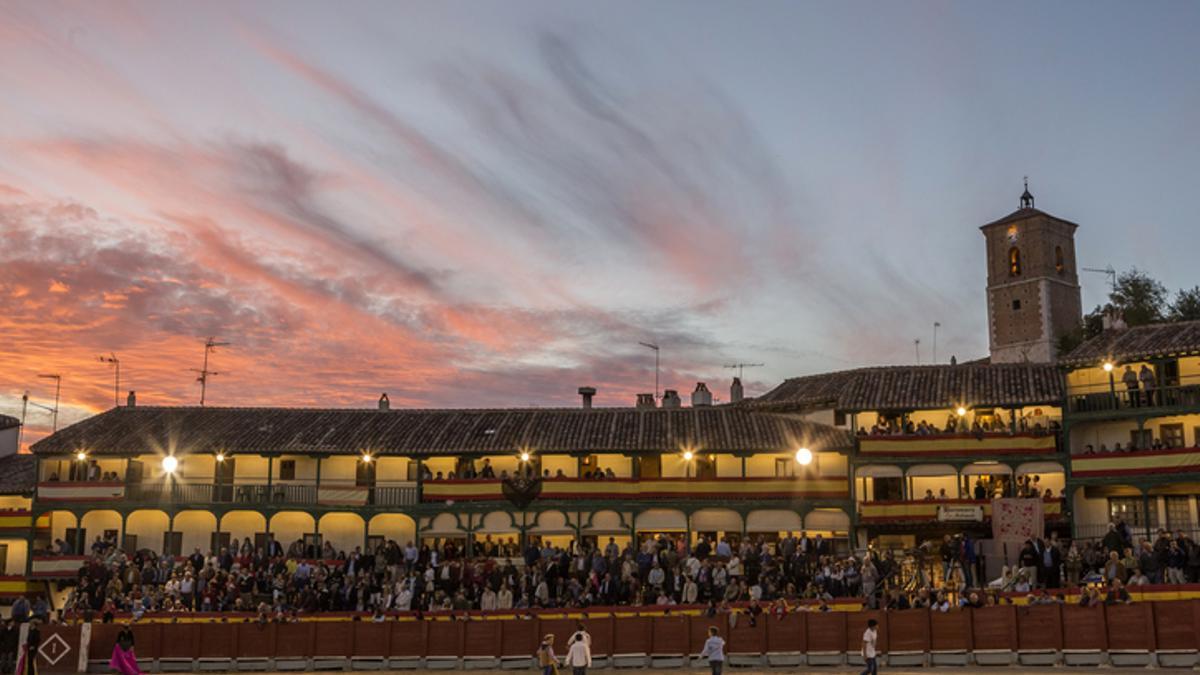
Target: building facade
[{"x": 891, "y": 455}]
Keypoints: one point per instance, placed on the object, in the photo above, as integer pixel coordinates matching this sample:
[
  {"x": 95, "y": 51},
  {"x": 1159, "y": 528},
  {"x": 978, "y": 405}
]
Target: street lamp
[
  {"x": 81, "y": 456},
  {"x": 525, "y": 456},
  {"x": 687, "y": 455},
  {"x": 366, "y": 458},
  {"x": 1112, "y": 382},
  {"x": 170, "y": 464},
  {"x": 804, "y": 456},
  {"x": 220, "y": 457}
]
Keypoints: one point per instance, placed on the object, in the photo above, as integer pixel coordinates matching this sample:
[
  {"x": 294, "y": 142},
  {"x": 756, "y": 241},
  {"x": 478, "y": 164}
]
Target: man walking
[
  {"x": 868, "y": 648},
  {"x": 714, "y": 650}
]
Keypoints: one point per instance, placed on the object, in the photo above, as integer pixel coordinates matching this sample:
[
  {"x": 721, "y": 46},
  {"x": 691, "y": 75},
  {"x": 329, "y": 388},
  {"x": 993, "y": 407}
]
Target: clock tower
[{"x": 1032, "y": 284}]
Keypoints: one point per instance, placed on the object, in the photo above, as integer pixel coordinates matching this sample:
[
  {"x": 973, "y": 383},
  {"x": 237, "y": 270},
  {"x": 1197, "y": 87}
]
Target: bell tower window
[
  {"x": 1014, "y": 262},
  {"x": 1060, "y": 262}
]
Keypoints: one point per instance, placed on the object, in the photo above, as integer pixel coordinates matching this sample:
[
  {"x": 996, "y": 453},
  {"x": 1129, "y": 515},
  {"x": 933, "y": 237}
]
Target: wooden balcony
[
  {"x": 326, "y": 493},
  {"x": 649, "y": 489},
  {"x": 1138, "y": 463},
  {"x": 958, "y": 445},
  {"x": 942, "y": 510}
]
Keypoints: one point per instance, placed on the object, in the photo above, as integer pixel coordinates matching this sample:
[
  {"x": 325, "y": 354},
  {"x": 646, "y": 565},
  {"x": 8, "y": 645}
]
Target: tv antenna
[
  {"x": 113, "y": 360},
  {"x": 25, "y": 403},
  {"x": 57, "y": 391},
  {"x": 210, "y": 346},
  {"x": 651, "y": 345},
  {"x": 740, "y": 366},
  {"x": 1109, "y": 271},
  {"x": 917, "y": 346}
]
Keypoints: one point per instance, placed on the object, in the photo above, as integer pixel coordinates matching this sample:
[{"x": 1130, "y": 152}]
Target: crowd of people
[
  {"x": 1036, "y": 422},
  {"x": 754, "y": 574}
]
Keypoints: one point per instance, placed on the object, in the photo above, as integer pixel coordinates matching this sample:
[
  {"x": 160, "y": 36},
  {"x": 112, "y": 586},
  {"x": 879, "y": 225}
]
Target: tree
[
  {"x": 1140, "y": 298},
  {"x": 1187, "y": 305}
]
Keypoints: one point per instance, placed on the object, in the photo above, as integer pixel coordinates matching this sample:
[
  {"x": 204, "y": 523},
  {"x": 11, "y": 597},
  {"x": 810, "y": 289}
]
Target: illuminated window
[
  {"x": 1014, "y": 262},
  {"x": 1060, "y": 263}
]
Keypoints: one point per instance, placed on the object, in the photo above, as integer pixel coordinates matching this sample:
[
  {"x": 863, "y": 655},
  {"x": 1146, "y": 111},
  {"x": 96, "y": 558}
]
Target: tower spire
[{"x": 1026, "y": 197}]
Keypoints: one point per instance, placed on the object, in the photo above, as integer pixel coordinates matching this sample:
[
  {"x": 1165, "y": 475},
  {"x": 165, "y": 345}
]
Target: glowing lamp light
[
  {"x": 220, "y": 457},
  {"x": 170, "y": 464},
  {"x": 687, "y": 455},
  {"x": 804, "y": 456},
  {"x": 1108, "y": 366},
  {"x": 961, "y": 411},
  {"x": 525, "y": 456},
  {"x": 81, "y": 456},
  {"x": 366, "y": 458}
]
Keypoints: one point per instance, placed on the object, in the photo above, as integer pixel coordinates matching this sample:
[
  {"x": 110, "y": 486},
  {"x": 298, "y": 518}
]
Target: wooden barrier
[
  {"x": 908, "y": 632},
  {"x": 1129, "y": 634},
  {"x": 1130, "y": 627},
  {"x": 670, "y": 635},
  {"x": 1040, "y": 628},
  {"x": 788, "y": 635},
  {"x": 1175, "y": 625}
]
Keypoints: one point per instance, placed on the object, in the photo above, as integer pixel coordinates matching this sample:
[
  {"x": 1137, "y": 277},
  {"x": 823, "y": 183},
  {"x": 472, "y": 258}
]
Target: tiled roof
[
  {"x": 17, "y": 474},
  {"x": 1181, "y": 338},
  {"x": 1023, "y": 214},
  {"x": 920, "y": 387},
  {"x": 128, "y": 431},
  {"x": 7, "y": 422}
]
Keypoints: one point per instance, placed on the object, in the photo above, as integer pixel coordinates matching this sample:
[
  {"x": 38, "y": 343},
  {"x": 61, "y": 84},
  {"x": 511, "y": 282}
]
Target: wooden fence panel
[
  {"x": 950, "y": 631},
  {"x": 1040, "y": 628},
  {"x": 993, "y": 627},
  {"x": 908, "y": 631},
  {"x": 826, "y": 631},
  {"x": 1130, "y": 627}
]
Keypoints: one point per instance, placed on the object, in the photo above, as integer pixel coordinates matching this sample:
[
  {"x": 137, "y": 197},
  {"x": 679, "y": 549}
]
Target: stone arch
[
  {"x": 241, "y": 525},
  {"x": 396, "y": 527},
  {"x": 144, "y": 529},
  {"x": 345, "y": 531}
]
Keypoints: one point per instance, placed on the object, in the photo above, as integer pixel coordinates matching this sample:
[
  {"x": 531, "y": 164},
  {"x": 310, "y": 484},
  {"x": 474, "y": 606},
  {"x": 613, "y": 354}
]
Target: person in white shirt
[
  {"x": 579, "y": 653},
  {"x": 714, "y": 650},
  {"x": 868, "y": 648}
]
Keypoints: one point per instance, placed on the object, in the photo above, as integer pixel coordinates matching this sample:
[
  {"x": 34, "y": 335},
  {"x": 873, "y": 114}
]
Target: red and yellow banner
[
  {"x": 1142, "y": 462},
  {"x": 20, "y": 521},
  {"x": 655, "y": 488},
  {"x": 927, "y": 511},
  {"x": 962, "y": 444}
]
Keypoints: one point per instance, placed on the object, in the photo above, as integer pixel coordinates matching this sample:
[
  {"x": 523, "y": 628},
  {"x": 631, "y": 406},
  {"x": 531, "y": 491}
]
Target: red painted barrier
[
  {"x": 482, "y": 638},
  {"x": 59, "y": 649},
  {"x": 334, "y": 638},
  {"x": 1084, "y": 628},
  {"x": 444, "y": 638},
  {"x": 698, "y": 630},
  {"x": 1040, "y": 628},
  {"x": 180, "y": 641},
  {"x": 216, "y": 641},
  {"x": 292, "y": 640},
  {"x": 371, "y": 639},
  {"x": 744, "y": 638},
  {"x": 908, "y": 631},
  {"x": 408, "y": 638},
  {"x": 1130, "y": 627},
  {"x": 520, "y": 638},
  {"x": 670, "y": 635},
  {"x": 1175, "y": 624},
  {"x": 255, "y": 640},
  {"x": 826, "y": 631},
  {"x": 856, "y": 625},
  {"x": 950, "y": 632},
  {"x": 633, "y": 635},
  {"x": 994, "y": 627},
  {"x": 788, "y": 634}
]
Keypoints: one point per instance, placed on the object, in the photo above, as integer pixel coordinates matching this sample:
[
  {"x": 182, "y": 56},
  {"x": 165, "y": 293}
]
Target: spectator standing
[
  {"x": 870, "y": 635},
  {"x": 714, "y": 650}
]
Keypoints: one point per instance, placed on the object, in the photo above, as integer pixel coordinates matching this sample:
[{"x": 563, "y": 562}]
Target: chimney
[
  {"x": 671, "y": 399},
  {"x": 131, "y": 399},
  {"x": 701, "y": 396},
  {"x": 736, "y": 393},
  {"x": 587, "y": 393},
  {"x": 646, "y": 401},
  {"x": 384, "y": 403}
]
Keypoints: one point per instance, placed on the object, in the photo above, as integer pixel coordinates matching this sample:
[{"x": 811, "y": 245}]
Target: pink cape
[{"x": 124, "y": 661}]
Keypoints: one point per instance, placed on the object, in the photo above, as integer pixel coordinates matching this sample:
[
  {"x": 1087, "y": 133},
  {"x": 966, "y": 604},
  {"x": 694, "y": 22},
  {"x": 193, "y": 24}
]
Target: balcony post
[
  {"x": 318, "y": 482},
  {"x": 124, "y": 529},
  {"x": 1146, "y": 512},
  {"x": 420, "y": 481},
  {"x": 270, "y": 474}
]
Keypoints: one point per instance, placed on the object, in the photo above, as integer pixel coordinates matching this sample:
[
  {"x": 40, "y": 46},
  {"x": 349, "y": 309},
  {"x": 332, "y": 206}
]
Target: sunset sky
[{"x": 491, "y": 203}]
